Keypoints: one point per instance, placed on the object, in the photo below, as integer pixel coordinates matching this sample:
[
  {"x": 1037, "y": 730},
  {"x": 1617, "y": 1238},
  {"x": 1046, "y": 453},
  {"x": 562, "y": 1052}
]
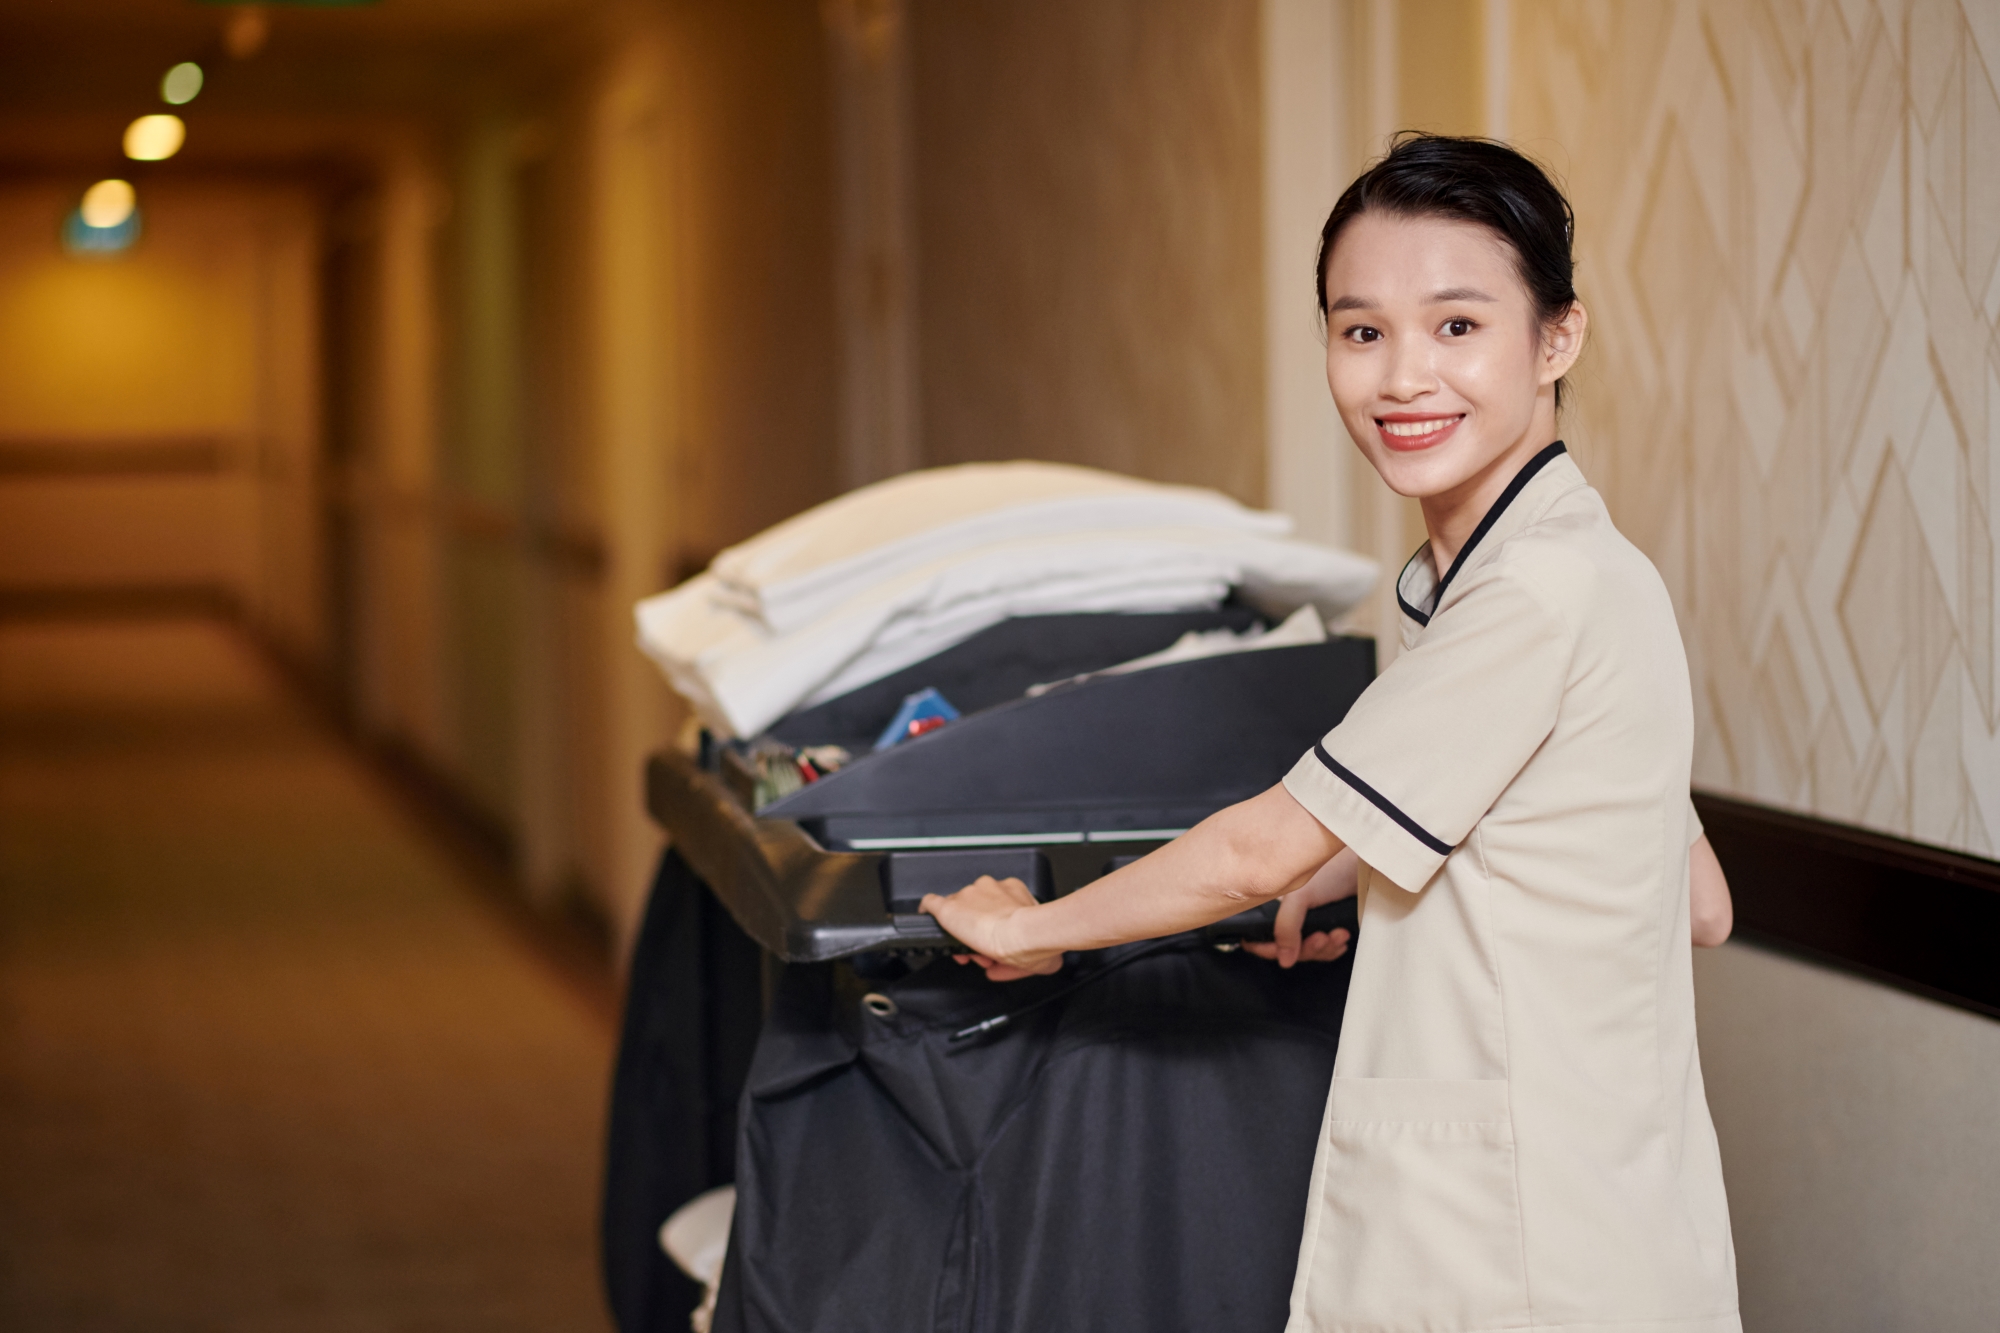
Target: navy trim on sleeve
[{"x": 1382, "y": 803}]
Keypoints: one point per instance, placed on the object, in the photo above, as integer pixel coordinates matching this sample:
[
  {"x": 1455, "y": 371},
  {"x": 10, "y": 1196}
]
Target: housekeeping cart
[{"x": 1125, "y": 1145}]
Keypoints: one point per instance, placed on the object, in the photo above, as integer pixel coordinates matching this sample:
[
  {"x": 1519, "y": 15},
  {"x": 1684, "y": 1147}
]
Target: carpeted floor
[{"x": 269, "y": 1059}]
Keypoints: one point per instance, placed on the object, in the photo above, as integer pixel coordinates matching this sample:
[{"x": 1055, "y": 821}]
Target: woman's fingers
[
  {"x": 1289, "y": 927},
  {"x": 1008, "y": 972},
  {"x": 1322, "y": 946},
  {"x": 974, "y": 916},
  {"x": 1014, "y": 889}
]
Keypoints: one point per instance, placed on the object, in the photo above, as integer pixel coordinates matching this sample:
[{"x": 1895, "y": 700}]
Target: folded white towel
[
  {"x": 742, "y": 674},
  {"x": 803, "y": 568},
  {"x": 1300, "y": 629},
  {"x": 696, "y": 1237}
]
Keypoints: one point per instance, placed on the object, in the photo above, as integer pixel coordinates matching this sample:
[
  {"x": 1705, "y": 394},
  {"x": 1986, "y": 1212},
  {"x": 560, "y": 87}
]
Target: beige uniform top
[{"x": 1517, "y": 1136}]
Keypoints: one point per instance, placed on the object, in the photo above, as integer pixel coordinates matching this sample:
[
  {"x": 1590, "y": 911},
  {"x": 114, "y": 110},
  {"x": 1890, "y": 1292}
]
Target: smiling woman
[
  {"x": 1443, "y": 366},
  {"x": 1482, "y": 237},
  {"x": 1517, "y": 1134}
]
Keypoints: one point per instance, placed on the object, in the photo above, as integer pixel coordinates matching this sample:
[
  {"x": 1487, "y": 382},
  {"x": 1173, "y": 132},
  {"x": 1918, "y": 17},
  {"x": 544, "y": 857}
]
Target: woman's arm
[
  {"x": 1708, "y": 896},
  {"x": 1234, "y": 859},
  {"x": 1289, "y": 944}
]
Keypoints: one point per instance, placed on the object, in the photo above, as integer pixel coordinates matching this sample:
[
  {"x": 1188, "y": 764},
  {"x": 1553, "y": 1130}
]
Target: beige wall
[
  {"x": 1857, "y": 1137},
  {"x": 200, "y": 341},
  {"x": 1089, "y": 235},
  {"x": 1789, "y": 219},
  {"x": 156, "y": 342},
  {"x": 585, "y": 337},
  {"x": 388, "y": 464},
  {"x": 727, "y": 206},
  {"x": 678, "y": 357},
  {"x": 750, "y": 181},
  {"x": 1440, "y": 72},
  {"x": 1340, "y": 78}
]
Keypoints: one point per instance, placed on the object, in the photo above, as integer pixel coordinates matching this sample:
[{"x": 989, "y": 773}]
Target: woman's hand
[
  {"x": 1247, "y": 854},
  {"x": 985, "y": 915},
  {"x": 1322, "y": 946},
  {"x": 1337, "y": 879},
  {"x": 1709, "y": 907}
]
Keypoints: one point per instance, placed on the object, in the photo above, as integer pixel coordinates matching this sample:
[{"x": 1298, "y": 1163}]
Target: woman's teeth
[{"x": 1415, "y": 428}]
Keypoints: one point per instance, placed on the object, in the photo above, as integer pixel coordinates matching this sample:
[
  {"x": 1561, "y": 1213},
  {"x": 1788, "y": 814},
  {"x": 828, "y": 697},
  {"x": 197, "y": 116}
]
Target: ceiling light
[
  {"x": 104, "y": 224},
  {"x": 154, "y": 138},
  {"x": 107, "y": 204},
  {"x": 182, "y": 84},
  {"x": 82, "y": 241}
]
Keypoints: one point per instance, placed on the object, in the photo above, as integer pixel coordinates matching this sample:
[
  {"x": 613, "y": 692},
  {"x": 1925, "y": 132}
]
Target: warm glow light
[
  {"x": 245, "y": 31},
  {"x": 108, "y": 204},
  {"x": 182, "y": 84},
  {"x": 154, "y": 138},
  {"x": 105, "y": 224}
]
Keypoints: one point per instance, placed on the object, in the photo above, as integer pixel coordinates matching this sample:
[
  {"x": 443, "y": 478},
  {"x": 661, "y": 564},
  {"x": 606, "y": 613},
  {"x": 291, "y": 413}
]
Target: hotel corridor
[
  {"x": 367, "y": 365},
  {"x": 271, "y": 1057}
]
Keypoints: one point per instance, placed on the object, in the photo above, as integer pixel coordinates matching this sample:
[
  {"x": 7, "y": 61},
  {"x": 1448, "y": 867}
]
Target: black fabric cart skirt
[{"x": 1133, "y": 1157}]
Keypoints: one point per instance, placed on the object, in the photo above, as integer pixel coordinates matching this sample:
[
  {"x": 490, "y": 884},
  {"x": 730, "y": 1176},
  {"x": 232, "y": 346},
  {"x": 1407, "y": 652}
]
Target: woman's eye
[
  {"x": 1457, "y": 328},
  {"x": 1361, "y": 333}
]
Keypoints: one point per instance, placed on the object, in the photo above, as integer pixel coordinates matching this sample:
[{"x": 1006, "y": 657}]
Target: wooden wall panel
[{"x": 1089, "y": 222}]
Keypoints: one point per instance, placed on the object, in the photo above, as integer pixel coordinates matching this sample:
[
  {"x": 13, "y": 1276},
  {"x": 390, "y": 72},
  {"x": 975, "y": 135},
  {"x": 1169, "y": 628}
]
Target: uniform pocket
[{"x": 1415, "y": 1221}]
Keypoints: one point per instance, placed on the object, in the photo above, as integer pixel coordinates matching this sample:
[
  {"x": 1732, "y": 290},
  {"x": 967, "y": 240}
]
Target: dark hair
[{"x": 1470, "y": 180}]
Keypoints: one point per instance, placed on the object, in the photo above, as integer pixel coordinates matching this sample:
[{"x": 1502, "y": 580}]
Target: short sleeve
[
  {"x": 1430, "y": 746},
  {"x": 1695, "y": 831}
]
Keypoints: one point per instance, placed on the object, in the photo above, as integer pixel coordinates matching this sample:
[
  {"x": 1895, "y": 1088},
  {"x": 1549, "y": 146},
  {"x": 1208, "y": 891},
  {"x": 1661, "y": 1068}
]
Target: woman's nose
[{"x": 1410, "y": 373}]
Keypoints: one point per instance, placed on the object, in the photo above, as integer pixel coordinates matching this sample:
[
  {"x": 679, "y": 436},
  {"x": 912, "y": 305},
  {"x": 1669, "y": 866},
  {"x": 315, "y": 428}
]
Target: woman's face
[{"x": 1438, "y": 365}]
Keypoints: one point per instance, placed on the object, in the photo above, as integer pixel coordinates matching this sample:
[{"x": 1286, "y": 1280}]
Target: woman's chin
[{"x": 1418, "y": 476}]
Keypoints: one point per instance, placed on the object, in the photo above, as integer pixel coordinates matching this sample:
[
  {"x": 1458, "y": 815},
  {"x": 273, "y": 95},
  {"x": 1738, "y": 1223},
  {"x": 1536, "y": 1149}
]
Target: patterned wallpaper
[{"x": 1789, "y": 218}]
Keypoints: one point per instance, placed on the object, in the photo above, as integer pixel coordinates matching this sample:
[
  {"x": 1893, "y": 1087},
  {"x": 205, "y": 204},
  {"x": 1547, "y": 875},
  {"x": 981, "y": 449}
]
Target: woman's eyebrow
[{"x": 1445, "y": 297}]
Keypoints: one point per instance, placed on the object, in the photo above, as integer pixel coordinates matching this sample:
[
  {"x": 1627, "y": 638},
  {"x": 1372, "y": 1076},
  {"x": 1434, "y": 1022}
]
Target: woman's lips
[{"x": 1408, "y": 434}]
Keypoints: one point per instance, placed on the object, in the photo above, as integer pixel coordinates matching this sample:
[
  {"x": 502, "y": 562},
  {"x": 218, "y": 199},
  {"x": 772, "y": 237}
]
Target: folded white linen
[
  {"x": 1300, "y": 629},
  {"x": 910, "y": 640},
  {"x": 806, "y": 566},
  {"x": 742, "y": 675}
]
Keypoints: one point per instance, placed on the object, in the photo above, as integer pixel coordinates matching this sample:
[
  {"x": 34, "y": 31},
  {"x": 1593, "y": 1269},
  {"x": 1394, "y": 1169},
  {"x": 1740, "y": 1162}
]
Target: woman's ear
[{"x": 1562, "y": 342}]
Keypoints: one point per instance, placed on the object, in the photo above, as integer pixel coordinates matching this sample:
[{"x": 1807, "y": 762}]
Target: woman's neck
[{"x": 1450, "y": 516}]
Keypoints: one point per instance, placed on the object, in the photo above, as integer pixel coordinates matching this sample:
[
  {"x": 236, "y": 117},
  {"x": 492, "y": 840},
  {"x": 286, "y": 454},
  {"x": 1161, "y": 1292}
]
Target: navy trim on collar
[
  {"x": 1420, "y": 617},
  {"x": 1514, "y": 488}
]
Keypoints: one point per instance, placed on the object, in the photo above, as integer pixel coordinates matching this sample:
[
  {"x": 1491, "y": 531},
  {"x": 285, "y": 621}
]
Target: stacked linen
[
  {"x": 888, "y": 575},
  {"x": 806, "y": 566}
]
